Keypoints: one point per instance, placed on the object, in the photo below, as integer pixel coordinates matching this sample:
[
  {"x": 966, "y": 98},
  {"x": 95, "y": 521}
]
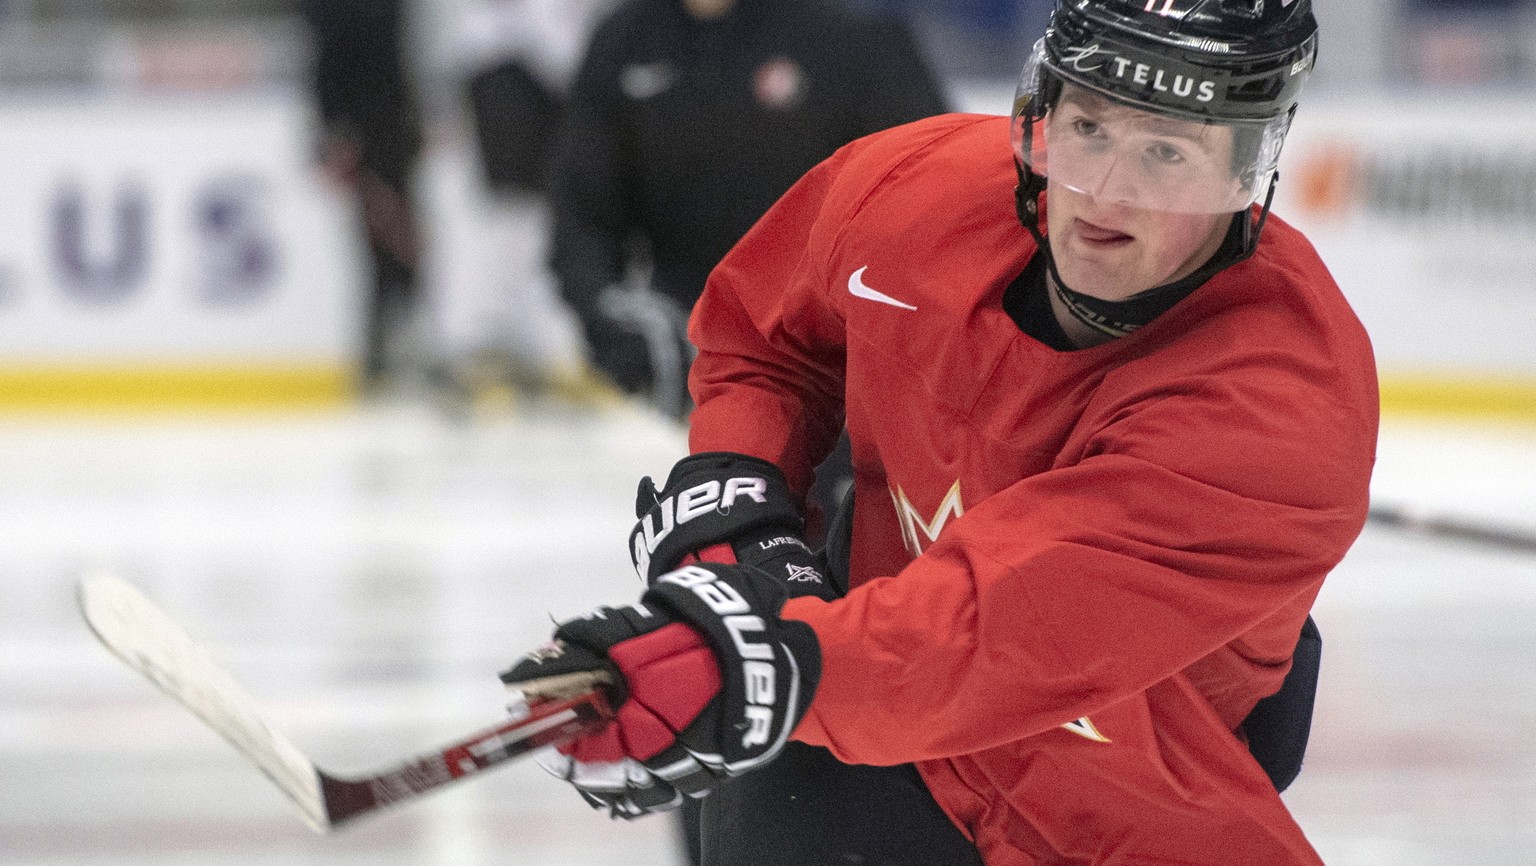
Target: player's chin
[{"x": 1108, "y": 277}]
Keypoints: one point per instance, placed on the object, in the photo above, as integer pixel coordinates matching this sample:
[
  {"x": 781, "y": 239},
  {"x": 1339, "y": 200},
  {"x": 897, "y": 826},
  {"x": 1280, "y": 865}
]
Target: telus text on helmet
[{"x": 1096, "y": 58}]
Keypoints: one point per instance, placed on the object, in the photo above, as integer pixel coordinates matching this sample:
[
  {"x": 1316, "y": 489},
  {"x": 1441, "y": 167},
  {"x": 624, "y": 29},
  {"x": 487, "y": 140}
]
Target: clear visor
[{"x": 1119, "y": 154}]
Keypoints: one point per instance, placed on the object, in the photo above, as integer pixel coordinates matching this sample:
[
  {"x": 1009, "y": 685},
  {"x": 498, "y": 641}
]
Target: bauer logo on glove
[
  {"x": 746, "y": 630},
  {"x": 679, "y": 509},
  {"x": 707, "y": 680},
  {"x": 709, "y": 499}
]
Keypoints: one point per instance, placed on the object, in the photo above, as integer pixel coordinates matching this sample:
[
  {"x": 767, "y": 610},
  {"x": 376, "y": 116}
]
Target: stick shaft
[
  {"x": 1412, "y": 520},
  {"x": 549, "y": 723}
]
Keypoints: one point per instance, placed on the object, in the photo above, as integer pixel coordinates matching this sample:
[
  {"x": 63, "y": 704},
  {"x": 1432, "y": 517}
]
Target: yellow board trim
[
  {"x": 156, "y": 386},
  {"x": 1460, "y": 395},
  {"x": 328, "y": 384}
]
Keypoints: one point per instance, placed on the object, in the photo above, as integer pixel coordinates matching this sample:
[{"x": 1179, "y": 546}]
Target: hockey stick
[
  {"x": 1426, "y": 523},
  {"x": 154, "y": 645}
]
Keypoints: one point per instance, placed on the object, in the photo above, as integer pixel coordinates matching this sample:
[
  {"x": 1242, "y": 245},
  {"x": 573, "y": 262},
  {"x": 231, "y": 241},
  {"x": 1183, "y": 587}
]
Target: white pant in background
[{"x": 484, "y": 272}]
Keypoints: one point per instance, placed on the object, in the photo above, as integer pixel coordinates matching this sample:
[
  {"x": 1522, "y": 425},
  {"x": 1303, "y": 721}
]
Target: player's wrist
[{"x": 782, "y": 554}]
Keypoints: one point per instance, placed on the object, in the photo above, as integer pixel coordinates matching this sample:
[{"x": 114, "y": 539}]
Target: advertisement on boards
[
  {"x": 1425, "y": 211},
  {"x": 157, "y": 241}
]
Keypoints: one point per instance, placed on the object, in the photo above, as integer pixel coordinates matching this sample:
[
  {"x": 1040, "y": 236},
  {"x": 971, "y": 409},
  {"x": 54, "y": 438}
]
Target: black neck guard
[{"x": 1118, "y": 318}]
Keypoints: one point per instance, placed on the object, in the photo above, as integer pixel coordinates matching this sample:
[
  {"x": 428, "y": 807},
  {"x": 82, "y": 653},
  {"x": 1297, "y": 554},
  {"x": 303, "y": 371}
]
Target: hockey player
[
  {"x": 370, "y": 140},
  {"x": 498, "y": 320},
  {"x": 689, "y": 118},
  {"x": 1112, "y": 425}
]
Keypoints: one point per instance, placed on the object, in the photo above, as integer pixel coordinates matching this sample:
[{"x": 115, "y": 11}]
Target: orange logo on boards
[{"x": 1328, "y": 180}]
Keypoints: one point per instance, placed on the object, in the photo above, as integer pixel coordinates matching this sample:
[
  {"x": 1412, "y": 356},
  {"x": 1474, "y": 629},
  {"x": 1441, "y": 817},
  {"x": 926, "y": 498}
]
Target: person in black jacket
[
  {"x": 689, "y": 118},
  {"x": 371, "y": 138}
]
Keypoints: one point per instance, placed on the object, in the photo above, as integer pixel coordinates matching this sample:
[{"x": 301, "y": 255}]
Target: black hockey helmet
[{"x": 1234, "y": 63}]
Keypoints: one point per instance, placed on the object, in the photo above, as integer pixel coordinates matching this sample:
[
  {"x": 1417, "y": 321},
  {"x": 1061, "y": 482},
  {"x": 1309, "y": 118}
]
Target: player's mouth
[{"x": 1099, "y": 237}]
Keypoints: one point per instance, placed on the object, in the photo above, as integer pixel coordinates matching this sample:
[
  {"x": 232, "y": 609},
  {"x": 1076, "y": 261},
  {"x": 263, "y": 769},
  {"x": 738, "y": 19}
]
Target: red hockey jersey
[{"x": 1074, "y": 572}]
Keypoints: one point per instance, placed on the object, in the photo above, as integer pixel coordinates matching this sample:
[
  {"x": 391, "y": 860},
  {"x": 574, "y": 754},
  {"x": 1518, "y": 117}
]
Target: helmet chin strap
[{"x": 1118, "y": 318}]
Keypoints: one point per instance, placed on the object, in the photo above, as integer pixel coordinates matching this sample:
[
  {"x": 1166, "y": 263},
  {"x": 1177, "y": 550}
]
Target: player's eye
[
  {"x": 1086, "y": 128},
  {"x": 1164, "y": 153}
]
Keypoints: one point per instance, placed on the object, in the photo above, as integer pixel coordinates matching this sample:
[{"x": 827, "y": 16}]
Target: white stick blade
[{"x": 139, "y": 633}]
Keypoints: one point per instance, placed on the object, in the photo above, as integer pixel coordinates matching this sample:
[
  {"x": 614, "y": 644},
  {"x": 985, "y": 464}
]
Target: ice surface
[{"x": 367, "y": 572}]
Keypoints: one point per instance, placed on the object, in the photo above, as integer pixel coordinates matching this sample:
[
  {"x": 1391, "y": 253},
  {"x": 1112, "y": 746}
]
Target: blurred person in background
[
  {"x": 371, "y": 136},
  {"x": 498, "y": 320},
  {"x": 1468, "y": 42},
  {"x": 976, "y": 40},
  {"x": 688, "y": 119}
]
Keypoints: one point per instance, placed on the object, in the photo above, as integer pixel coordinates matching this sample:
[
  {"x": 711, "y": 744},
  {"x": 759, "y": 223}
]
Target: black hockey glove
[
  {"x": 725, "y": 507},
  {"x": 639, "y": 338},
  {"x": 709, "y": 684}
]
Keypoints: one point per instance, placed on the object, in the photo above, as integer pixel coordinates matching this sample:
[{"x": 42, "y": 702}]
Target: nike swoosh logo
[{"x": 857, "y": 288}]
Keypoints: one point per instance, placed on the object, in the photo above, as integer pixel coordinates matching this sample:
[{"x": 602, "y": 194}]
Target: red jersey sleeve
[
  {"x": 768, "y": 377},
  {"x": 769, "y": 326}
]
